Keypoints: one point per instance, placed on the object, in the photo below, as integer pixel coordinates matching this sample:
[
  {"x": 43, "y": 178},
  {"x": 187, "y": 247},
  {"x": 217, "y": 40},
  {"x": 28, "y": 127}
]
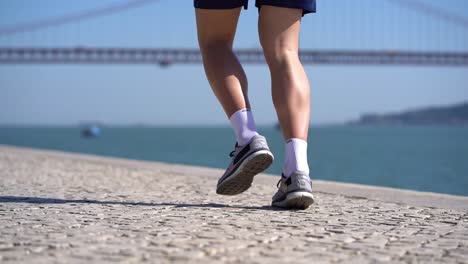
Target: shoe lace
[
  {"x": 278, "y": 184},
  {"x": 233, "y": 153}
]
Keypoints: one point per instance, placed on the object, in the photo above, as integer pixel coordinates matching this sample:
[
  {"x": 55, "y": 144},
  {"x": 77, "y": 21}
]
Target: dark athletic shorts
[{"x": 308, "y": 6}]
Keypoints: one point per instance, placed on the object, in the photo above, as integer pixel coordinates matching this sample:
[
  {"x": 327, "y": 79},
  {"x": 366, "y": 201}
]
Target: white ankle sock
[
  {"x": 296, "y": 157},
  {"x": 243, "y": 124}
]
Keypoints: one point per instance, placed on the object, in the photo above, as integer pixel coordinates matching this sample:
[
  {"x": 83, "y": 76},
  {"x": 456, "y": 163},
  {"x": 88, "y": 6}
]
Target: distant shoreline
[{"x": 452, "y": 115}]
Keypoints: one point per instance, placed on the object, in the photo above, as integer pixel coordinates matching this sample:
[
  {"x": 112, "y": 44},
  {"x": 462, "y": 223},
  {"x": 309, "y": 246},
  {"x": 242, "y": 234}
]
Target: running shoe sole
[
  {"x": 296, "y": 201},
  {"x": 241, "y": 179}
]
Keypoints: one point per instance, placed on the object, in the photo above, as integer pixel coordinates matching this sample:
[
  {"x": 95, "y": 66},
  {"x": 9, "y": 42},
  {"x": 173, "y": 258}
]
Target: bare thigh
[
  {"x": 216, "y": 26},
  {"x": 278, "y": 30}
]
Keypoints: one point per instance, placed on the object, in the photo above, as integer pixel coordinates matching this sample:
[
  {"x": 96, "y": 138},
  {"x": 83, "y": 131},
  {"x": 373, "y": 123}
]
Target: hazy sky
[{"x": 179, "y": 94}]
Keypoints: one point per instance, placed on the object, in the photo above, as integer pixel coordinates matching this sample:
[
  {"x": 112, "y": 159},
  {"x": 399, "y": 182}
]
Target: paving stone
[{"x": 67, "y": 208}]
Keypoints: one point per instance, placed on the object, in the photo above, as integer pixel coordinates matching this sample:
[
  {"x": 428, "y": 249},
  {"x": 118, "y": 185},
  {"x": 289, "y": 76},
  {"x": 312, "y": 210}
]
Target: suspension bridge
[{"x": 423, "y": 11}]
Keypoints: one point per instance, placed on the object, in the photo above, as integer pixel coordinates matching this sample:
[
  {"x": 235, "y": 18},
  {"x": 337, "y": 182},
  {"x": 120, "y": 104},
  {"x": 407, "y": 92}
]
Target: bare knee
[
  {"x": 281, "y": 58},
  {"x": 214, "y": 47},
  {"x": 289, "y": 81}
]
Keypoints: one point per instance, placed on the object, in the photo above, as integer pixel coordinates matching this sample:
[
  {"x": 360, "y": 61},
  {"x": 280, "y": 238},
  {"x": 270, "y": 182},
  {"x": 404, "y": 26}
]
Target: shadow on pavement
[{"x": 42, "y": 200}]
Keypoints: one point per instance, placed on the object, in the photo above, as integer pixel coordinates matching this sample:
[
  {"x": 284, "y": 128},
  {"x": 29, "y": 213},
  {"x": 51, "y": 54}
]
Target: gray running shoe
[
  {"x": 247, "y": 161},
  {"x": 294, "y": 192}
]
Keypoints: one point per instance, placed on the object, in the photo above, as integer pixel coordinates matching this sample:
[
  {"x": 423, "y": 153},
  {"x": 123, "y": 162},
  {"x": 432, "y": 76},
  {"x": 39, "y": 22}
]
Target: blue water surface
[{"x": 424, "y": 158}]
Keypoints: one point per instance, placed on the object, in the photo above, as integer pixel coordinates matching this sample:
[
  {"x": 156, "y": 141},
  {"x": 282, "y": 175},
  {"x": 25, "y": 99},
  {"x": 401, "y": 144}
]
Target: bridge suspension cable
[
  {"x": 427, "y": 9},
  {"x": 72, "y": 18}
]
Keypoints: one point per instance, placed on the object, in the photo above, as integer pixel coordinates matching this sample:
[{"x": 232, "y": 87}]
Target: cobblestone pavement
[{"x": 68, "y": 208}]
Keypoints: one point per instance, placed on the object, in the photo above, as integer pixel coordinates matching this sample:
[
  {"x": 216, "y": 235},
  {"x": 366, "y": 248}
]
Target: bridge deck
[{"x": 166, "y": 57}]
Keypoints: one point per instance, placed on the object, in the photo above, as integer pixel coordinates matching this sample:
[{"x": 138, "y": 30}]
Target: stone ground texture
[{"x": 67, "y": 208}]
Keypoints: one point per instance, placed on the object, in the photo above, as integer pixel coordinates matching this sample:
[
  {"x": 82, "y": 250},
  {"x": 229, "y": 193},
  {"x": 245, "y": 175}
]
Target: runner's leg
[
  {"x": 290, "y": 86},
  {"x": 216, "y": 31}
]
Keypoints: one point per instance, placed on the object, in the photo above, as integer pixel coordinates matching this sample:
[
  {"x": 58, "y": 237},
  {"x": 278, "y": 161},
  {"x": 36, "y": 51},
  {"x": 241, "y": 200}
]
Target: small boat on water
[{"x": 91, "y": 131}]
